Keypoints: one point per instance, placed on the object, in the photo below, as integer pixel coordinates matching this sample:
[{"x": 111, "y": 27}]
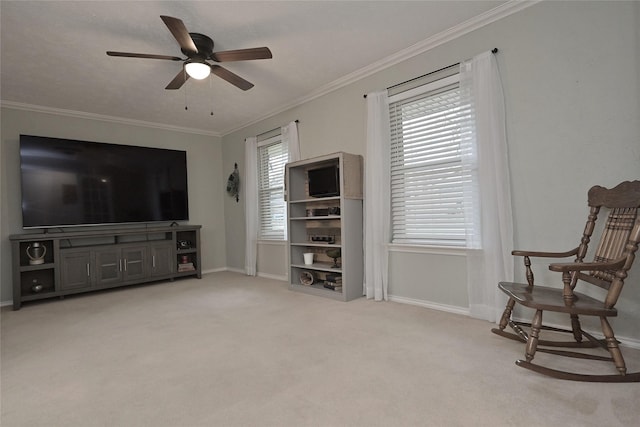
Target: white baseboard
[
  {"x": 241, "y": 271},
  {"x": 214, "y": 270},
  {"x": 273, "y": 276},
  {"x": 428, "y": 304},
  {"x": 629, "y": 342}
]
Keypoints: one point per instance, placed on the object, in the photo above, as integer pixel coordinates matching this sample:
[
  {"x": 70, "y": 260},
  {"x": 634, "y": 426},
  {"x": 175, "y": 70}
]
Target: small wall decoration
[{"x": 233, "y": 183}]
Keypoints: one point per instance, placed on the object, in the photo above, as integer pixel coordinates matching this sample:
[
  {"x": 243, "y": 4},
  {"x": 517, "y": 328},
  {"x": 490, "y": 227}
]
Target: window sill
[
  {"x": 277, "y": 242},
  {"x": 434, "y": 250}
]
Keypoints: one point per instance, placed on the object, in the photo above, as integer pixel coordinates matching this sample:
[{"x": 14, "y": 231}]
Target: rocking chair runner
[{"x": 613, "y": 259}]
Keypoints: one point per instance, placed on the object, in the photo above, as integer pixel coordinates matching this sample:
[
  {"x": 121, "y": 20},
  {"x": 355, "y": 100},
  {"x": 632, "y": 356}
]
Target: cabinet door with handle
[
  {"x": 109, "y": 266},
  {"x": 75, "y": 271},
  {"x": 162, "y": 259},
  {"x": 134, "y": 262}
]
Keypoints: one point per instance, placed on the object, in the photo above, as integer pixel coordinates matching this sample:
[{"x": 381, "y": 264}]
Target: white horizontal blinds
[
  {"x": 272, "y": 158},
  {"x": 428, "y": 133}
]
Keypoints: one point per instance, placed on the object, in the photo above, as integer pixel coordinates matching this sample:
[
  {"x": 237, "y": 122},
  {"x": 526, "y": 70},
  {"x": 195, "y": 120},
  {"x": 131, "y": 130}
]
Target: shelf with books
[{"x": 327, "y": 230}]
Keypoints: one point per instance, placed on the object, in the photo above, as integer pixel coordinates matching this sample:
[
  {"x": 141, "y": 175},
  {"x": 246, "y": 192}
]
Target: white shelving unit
[{"x": 319, "y": 224}]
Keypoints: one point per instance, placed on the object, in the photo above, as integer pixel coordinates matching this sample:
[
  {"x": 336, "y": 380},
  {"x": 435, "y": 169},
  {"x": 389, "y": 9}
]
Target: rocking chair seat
[{"x": 546, "y": 298}]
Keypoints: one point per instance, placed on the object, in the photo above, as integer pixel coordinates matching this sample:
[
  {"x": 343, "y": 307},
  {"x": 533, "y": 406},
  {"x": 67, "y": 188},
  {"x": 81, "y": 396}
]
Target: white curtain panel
[
  {"x": 250, "y": 184},
  {"x": 491, "y": 261},
  {"x": 377, "y": 197},
  {"x": 291, "y": 143},
  {"x": 290, "y": 140}
]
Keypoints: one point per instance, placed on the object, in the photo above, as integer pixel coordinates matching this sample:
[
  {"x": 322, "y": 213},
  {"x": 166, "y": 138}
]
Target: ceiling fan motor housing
[{"x": 203, "y": 43}]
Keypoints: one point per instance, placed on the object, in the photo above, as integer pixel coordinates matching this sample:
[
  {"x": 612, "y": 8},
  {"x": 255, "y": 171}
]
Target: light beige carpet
[{"x": 229, "y": 350}]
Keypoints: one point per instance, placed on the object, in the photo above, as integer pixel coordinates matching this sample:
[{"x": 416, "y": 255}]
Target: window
[
  {"x": 431, "y": 165},
  {"x": 272, "y": 157}
]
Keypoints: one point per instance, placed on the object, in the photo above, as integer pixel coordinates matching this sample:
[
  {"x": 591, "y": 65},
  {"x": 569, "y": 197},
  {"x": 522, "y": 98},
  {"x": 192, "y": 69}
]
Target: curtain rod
[
  {"x": 266, "y": 132},
  {"x": 494, "y": 51}
]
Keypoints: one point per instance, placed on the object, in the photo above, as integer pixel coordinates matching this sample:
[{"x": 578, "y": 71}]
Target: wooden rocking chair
[{"x": 612, "y": 261}]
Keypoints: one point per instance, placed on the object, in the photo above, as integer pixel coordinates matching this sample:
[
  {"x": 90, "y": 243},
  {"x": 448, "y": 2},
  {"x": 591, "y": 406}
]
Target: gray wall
[
  {"x": 571, "y": 76},
  {"x": 206, "y": 177}
]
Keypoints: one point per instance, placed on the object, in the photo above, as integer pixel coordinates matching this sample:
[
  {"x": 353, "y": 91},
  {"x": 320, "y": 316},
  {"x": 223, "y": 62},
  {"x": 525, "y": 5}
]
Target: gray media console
[{"x": 55, "y": 264}]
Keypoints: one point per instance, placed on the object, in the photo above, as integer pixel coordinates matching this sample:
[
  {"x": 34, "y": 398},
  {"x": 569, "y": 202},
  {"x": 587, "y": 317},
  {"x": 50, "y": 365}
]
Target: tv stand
[{"x": 93, "y": 259}]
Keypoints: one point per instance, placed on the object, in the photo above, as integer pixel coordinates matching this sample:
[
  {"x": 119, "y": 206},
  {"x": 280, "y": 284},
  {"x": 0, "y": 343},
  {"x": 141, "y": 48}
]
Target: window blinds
[
  {"x": 427, "y": 171},
  {"x": 271, "y": 161}
]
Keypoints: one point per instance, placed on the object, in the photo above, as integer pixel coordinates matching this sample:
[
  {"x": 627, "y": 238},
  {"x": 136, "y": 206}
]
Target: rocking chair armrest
[
  {"x": 587, "y": 266},
  {"x": 546, "y": 254}
]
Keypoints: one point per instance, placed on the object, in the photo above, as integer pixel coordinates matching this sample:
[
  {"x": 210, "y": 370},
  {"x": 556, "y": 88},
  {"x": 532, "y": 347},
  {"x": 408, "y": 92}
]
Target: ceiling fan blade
[
  {"x": 143, "y": 55},
  {"x": 242, "y": 54},
  {"x": 179, "y": 31},
  {"x": 178, "y": 80},
  {"x": 232, "y": 78}
]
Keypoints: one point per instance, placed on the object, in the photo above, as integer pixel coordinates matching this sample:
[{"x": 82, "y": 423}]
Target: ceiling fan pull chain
[
  {"x": 211, "y": 90},
  {"x": 185, "y": 92}
]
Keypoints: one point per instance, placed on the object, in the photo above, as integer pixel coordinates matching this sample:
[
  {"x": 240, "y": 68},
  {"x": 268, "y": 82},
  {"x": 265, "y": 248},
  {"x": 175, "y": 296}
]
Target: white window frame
[
  {"x": 271, "y": 194},
  {"x": 416, "y": 226}
]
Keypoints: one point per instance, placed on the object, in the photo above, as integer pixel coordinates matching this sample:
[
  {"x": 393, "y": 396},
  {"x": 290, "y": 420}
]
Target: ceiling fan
[{"x": 199, "y": 48}]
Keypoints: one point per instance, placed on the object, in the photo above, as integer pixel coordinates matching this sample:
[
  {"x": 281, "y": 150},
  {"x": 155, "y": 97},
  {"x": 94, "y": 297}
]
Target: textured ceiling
[{"x": 53, "y": 53}]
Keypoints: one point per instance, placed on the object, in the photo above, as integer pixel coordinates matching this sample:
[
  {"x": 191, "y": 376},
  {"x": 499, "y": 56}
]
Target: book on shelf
[
  {"x": 188, "y": 266},
  {"x": 333, "y": 286},
  {"x": 333, "y": 278}
]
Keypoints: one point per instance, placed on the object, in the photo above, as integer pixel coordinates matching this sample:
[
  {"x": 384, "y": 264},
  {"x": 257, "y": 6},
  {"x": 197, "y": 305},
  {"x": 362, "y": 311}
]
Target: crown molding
[
  {"x": 103, "y": 118},
  {"x": 506, "y": 9}
]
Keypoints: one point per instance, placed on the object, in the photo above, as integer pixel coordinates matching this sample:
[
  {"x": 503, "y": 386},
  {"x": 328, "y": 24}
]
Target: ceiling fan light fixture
[{"x": 198, "y": 70}]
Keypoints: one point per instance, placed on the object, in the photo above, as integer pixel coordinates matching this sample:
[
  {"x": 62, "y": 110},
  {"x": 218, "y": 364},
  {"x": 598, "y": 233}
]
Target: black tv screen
[
  {"x": 324, "y": 182},
  {"x": 74, "y": 183}
]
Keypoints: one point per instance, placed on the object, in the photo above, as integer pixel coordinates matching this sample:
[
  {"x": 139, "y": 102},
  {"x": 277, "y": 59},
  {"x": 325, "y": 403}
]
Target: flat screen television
[
  {"x": 78, "y": 183},
  {"x": 324, "y": 182}
]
